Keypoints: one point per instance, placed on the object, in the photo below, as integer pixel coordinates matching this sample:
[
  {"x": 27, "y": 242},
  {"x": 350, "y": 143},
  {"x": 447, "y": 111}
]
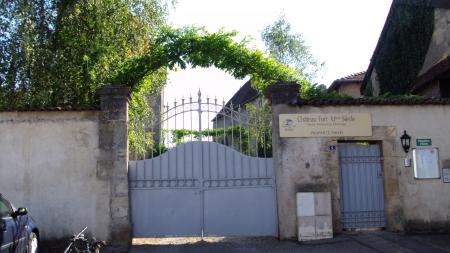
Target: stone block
[
  {"x": 305, "y": 204},
  {"x": 322, "y": 203},
  {"x": 104, "y": 169},
  {"x": 106, "y": 139},
  {"x": 306, "y": 228},
  {"x": 119, "y": 207},
  {"x": 121, "y": 188}
]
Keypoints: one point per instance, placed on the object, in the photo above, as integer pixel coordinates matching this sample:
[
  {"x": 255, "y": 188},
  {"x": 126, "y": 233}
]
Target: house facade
[
  {"x": 384, "y": 160},
  {"x": 248, "y": 112},
  {"x": 349, "y": 85},
  {"x": 413, "y": 51},
  {"x": 353, "y": 150}
]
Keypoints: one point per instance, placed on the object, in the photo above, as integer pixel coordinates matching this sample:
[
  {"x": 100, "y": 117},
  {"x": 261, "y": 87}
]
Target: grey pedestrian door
[
  {"x": 362, "y": 195},
  {"x": 214, "y": 181}
]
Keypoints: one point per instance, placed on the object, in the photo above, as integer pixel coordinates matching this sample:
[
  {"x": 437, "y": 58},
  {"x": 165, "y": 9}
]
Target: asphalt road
[{"x": 357, "y": 242}]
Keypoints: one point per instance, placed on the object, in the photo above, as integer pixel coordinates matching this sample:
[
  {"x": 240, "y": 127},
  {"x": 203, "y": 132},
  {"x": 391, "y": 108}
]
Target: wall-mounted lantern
[{"x": 406, "y": 141}]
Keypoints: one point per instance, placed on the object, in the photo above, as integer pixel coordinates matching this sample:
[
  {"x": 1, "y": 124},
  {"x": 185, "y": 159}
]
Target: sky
[{"x": 342, "y": 34}]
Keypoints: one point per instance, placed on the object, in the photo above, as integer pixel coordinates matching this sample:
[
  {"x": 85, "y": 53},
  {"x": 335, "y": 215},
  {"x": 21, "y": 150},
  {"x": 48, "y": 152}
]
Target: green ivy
[
  {"x": 389, "y": 96},
  {"x": 192, "y": 46},
  {"x": 404, "y": 49},
  {"x": 314, "y": 91},
  {"x": 368, "y": 92}
]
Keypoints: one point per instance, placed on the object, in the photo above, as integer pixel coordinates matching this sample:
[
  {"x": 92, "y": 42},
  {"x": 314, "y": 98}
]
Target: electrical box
[{"x": 314, "y": 217}]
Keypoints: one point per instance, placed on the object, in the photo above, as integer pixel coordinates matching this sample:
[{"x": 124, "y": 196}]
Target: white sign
[
  {"x": 426, "y": 163},
  {"x": 325, "y": 125}
]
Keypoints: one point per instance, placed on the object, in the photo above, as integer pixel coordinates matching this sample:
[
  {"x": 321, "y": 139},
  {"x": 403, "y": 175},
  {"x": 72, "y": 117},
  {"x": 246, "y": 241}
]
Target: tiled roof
[
  {"x": 353, "y": 77},
  {"x": 356, "y": 77},
  {"x": 374, "y": 101}
]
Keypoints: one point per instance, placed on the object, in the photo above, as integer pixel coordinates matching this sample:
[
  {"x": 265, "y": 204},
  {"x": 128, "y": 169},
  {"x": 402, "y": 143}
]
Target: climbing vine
[
  {"x": 192, "y": 46},
  {"x": 404, "y": 49}
]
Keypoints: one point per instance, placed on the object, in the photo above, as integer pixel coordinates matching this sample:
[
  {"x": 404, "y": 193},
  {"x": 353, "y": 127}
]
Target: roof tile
[{"x": 375, "y": 101}]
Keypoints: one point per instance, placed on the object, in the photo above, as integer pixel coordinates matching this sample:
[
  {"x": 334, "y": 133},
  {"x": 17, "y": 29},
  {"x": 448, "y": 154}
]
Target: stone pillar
[
  {"x": 113, "y": 162},
  {"x": 281, "y": 96}
]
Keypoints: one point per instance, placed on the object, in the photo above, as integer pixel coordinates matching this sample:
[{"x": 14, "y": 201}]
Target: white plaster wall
[
  {"x": 48, "y": 164},
  {"x": 306, "y": 164},
  {"x": 351, "y": 89},
  {"x": 427, "y": 200}
]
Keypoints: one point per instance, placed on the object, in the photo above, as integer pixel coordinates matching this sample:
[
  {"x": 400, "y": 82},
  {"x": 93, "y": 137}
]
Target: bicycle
[{"x": 80, "y": 244}]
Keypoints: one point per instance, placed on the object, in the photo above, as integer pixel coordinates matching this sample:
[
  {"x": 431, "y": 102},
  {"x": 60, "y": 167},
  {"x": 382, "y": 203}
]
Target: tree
[
  {"x": 290, "y": 48},
  {"x": 58, "y": 52}
]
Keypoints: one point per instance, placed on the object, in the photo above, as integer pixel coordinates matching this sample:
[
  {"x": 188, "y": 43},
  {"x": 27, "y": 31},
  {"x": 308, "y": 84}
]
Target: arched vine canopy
[{"x": 199, "y": 48}]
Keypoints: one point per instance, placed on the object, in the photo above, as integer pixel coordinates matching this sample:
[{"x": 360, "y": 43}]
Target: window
[{"x": 5, "y": 209}]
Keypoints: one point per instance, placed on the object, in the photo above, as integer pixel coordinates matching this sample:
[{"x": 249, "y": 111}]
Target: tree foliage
[
  {"x": 58, "y": 52},
  {"x": 76, "y": 47},
  {"x": 289, "y": 48},
  {"x": 198, "y": 48},
  {"x": 246, "y": 139}
]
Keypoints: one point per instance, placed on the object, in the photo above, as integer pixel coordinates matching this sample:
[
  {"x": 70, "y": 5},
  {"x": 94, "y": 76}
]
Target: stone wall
[
  {"x": 69, "y": 168},
  {"x": 439, "y": 48},
  {"x": 307, "y": 165}
]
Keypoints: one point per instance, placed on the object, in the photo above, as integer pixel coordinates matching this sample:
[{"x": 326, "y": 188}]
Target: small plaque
[
  {"x": 407, "y": 162},
  {"x": 332, "y": 148},
  {"x": 423, "y": 142},
  {"x": 446, "y": 175}
]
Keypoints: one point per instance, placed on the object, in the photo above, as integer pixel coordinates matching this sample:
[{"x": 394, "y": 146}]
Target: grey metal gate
[
  {"x": 362, "y": 195},
  {"x": 219, "y": 181}
]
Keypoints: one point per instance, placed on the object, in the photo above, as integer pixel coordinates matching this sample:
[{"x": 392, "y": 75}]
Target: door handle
[{"x": 2, "y": 225}]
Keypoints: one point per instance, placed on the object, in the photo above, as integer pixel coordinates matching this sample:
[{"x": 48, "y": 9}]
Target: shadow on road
[{"x": 354, "y": 242}]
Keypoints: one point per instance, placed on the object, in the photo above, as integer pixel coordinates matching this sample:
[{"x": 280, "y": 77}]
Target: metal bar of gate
[{"x": 236, "y": 200}]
